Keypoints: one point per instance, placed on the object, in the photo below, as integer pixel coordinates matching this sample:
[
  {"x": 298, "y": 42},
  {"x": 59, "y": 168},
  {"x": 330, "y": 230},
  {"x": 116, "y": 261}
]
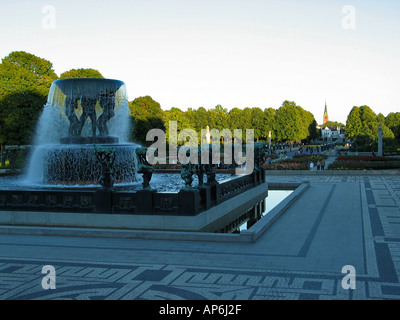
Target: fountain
[
  {"x": 83, "y": 172},
  {"x": 79, "y": 114}
]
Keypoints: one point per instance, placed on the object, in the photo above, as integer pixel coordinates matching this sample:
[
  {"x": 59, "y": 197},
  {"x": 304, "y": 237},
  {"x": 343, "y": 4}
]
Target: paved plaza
[{"x": 339, "y": 221}]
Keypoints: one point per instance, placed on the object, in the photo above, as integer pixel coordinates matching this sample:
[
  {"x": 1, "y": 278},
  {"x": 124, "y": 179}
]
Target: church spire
[{"x": 326, "y": 117}]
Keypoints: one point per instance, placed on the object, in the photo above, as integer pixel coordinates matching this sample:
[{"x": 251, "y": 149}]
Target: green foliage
[
  {"x": 301, "y": 126},
  {"x": 245, "y": 122},
  {"x": 392, "y": 121},
  {"x": 36, "y": 66},
  {"x": 268, "y": 123},
  {"x": 236, "y": 119},
  {"x": 288, "y": 122},
  {"x": 19, "y": 113},
  {"x": 292, "y": 123},
  {"x": 309, "y": 125},
  {"x": 180, "y": 117},
  {"x": 81, "y": 73},
  {"x": 23, "y": 72},
  {"x": 334, "y": 124},
  {"x": 364, "y": 163},
  {"x": 25, "y": 81},
  {"x": 362, "y": 128},
  {"x": 313, "y": 131},
  {"x": 353, "y": 124},
  {"x": 199, "y": 119},
  {"x": 257, "y": 122},
  {"x": 146, "y": 115},
  {"x": 380, "y": 118},
  {"x": 218, "y": 118}
]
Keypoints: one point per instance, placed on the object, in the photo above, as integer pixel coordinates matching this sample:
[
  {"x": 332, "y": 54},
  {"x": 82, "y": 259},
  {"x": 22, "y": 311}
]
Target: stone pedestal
[
  {"x": 145, "y": 201},
  {"x": 205, "y": 193},
  {"x": 189, "y": 202},
  {"x": 104, "y": 201}
]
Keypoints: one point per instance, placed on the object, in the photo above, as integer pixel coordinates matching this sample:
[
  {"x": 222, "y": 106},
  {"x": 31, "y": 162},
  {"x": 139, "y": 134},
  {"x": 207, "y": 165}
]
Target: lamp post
[{"x": 270, "y": 139}]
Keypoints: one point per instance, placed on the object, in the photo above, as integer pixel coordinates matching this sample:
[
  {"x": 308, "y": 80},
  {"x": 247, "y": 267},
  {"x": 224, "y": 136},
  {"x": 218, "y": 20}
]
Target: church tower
[{"x": 326, "y": 118}]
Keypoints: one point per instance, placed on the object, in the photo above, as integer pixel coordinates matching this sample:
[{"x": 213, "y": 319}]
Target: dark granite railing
[{"x": 148, "y": 202}]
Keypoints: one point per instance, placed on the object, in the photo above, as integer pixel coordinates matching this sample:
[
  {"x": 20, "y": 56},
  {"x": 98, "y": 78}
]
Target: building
[{"x": 332, "y": 133}]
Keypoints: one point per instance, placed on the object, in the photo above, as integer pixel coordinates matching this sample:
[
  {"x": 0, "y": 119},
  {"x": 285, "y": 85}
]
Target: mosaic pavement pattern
[{"x": 82, "y": 280}]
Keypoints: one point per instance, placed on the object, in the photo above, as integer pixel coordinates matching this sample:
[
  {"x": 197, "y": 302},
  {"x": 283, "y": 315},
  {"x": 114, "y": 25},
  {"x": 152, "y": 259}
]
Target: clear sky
[{"x": 236, "y": 53}]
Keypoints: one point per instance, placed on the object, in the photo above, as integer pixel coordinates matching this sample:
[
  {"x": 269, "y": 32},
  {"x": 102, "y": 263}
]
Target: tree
[
  {"x": 268, "y": 125},
  {"x": 218, "y": 118},
  {"x": 245, "y": 122},
  {"x": 81, "y": 73},
  {"x": 380, "y": 118},
  {"x": 257, "y": 122},
  {"x": 308, "y": 124},
  {"x": 392, "y": 121},
  {"x": 146, "y": 114},
  {"x": 362, "y": 128},
  {"x": 288, "y": 122},
  {"x": 353, "y": 123},
  {"x": 235, "y": 119},
  {"x": 313, "y": 131},
  {"x": 25, "y": 80},
  {"x": 19, "y": 113},
  {"x": 370, "y": 124},
  {"x": 367, "y": 115},
  {"x": 180, "y": 117},
  {"x": 199, "y": 119},
  {"x": 24, "y": 72}
]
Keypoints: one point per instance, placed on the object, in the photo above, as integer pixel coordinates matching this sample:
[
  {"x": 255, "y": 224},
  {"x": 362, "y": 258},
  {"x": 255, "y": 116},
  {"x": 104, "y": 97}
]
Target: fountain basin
[{"x": 77, "y": 164}]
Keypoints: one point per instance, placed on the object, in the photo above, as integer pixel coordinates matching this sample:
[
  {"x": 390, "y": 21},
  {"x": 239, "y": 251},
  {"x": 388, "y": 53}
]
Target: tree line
[
  {"x": 362, "y": 129},
  {"x": 25, "y": 80},
  {"x": 288, "y": 123}
]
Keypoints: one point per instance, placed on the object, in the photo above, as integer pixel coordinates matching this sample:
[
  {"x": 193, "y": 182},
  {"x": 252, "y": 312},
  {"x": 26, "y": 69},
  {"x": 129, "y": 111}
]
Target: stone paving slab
[{"x": 338, "y": 221}]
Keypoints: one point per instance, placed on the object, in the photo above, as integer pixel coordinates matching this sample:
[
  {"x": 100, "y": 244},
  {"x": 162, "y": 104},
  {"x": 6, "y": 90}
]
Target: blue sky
[{"x": 236, "y": 53}]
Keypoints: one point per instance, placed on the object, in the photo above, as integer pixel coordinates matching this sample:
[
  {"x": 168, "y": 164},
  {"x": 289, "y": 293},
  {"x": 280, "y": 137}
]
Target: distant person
[
  {"x": 311, "y": 166},
  {"x": 318, "y": 165},
  {"x": 322, "y": 164}
]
